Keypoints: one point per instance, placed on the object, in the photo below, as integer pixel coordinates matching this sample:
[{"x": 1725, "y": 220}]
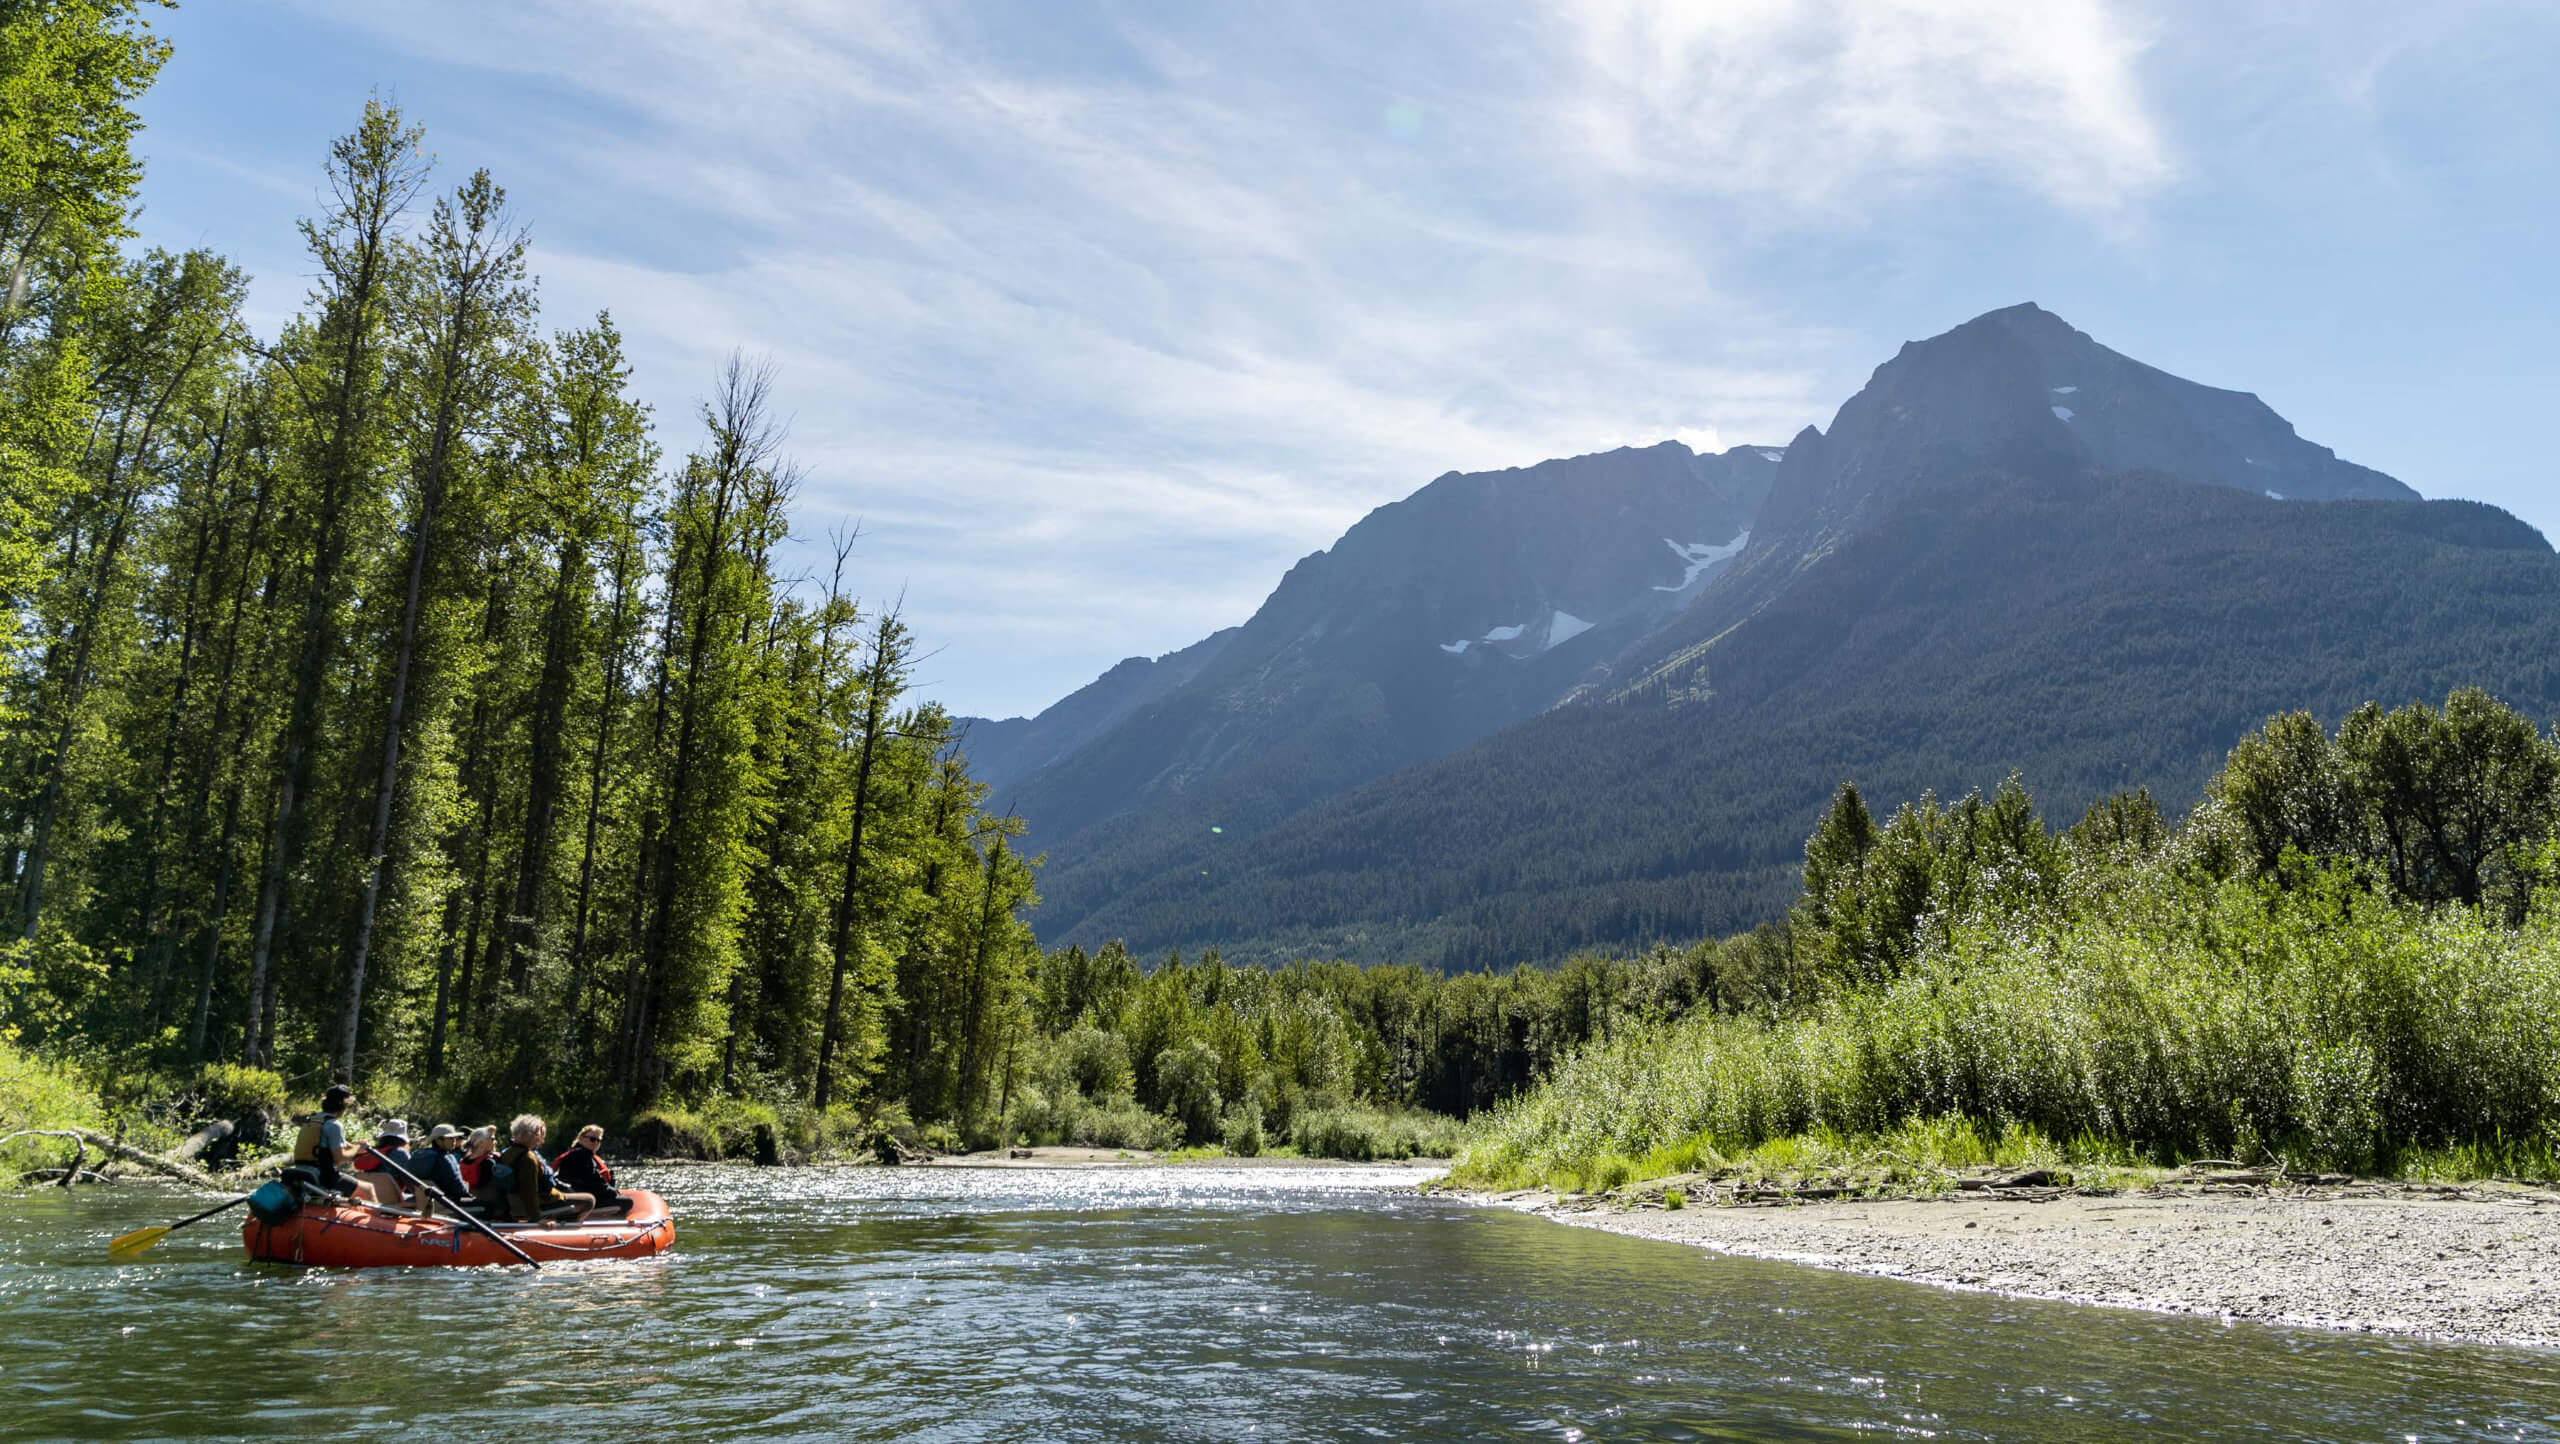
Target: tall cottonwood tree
[
  {"x": 468, "y": 314},
  {"x": 374, "y": 173}
]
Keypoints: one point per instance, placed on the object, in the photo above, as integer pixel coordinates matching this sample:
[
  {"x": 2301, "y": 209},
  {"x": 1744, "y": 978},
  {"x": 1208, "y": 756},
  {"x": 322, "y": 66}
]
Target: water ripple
[{"x": 1146, "y": 1304}]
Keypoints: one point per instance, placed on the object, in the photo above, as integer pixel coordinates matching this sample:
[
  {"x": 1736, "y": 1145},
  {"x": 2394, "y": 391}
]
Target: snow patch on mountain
[
  {"x": 1559, "y": 628},
  {"x": 1696, "y": 557}
]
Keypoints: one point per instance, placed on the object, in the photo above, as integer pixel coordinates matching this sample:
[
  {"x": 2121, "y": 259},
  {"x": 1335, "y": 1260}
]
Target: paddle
[
  {"x": 464, "y": 1214},
  {"x": 139, "y": 1241}
]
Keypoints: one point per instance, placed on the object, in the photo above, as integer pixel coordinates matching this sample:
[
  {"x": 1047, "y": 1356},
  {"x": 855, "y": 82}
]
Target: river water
[{"x": 1143, "y": 1304}]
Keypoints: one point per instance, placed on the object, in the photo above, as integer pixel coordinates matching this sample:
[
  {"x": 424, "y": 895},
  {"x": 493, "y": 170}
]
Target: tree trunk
[
  {"x": 608, "y": 707},
  {"x": 542, "y": 776},
  {"x": 154, "y": 888},
  {"x": 883, "y": 680},
  {"x": 221, "y": 729}
]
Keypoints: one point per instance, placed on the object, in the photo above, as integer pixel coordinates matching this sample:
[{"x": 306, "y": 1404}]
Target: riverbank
[
  {"x": 2476, "y": 1265},
  {"x": 1072, "y": 1157}
]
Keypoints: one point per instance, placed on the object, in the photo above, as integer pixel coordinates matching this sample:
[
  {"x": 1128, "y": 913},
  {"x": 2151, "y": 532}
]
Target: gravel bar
[{"x": 2471, "y": 1268}]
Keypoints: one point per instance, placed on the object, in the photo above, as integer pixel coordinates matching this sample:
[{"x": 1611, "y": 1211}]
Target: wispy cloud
[
  {"x": 1809, "y": 103},
  {"x": 1101, "y": 323}
]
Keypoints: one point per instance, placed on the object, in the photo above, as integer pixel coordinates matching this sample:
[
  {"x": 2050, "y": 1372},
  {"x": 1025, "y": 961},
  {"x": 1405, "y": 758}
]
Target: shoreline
[
  {"x": 2473, "y": 1270},
  {"x": 1059, "y": 1157}
]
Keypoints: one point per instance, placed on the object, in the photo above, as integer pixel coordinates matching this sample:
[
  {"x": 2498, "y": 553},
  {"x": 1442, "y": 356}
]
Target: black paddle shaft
[
  {"x": 424, "y": 1188},
  {"x": 208, "y": 1213}
]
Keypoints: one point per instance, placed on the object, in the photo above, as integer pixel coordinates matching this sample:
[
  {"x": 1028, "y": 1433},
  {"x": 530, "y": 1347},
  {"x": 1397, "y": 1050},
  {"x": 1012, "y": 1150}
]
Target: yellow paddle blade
[{"x": 137, "y": 1241}]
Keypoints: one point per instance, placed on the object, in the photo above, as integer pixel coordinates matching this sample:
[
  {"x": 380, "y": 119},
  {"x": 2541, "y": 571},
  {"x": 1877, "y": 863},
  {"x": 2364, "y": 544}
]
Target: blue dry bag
[{"x": 272, "y": 1202}]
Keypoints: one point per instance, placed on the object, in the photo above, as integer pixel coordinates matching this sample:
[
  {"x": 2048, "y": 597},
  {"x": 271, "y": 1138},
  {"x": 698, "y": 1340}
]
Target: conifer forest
[{"x": 382, "y": 702}]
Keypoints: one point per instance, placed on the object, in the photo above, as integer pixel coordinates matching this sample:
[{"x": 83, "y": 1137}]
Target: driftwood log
[
  {"x": 202, "y": 1139},
  {"x": 84, "y": 1139}
]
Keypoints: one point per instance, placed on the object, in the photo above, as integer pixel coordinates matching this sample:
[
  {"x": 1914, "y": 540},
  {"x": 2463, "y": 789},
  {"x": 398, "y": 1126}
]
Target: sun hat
[
  {"x": 395, "y": 1128},
  {"x": 443, "y": 1131}
]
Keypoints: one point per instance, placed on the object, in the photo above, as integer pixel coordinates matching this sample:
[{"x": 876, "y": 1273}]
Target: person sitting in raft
[
  {"x": 320, "y": 1153},
  {"x": 480, "y": 1171},
  {"x": 440, "y": 1169},
  {"x": 582, "y": 1169},
  {"x": 534, "y": 1190},
  {"x": 390, "y": 1142}
]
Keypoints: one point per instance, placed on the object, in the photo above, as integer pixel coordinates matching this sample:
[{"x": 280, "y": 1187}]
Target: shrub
[
  {"x": 1363, "y": 1134},
  {"x": 38, "y": 1095},
  {"x": 1187, "y": 1086},
  {"x": 1241, "y": 1131},
  {"x": 2315, "y": 1021},
  {"x": 228, "y": 1090},
  {"x": 1121, "y": 1123},
  {"x": 1095, "y": 1062}
]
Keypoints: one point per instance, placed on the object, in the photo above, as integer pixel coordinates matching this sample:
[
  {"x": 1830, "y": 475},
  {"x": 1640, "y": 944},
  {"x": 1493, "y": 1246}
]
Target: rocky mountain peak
[{"x": 2019, "y": 390}]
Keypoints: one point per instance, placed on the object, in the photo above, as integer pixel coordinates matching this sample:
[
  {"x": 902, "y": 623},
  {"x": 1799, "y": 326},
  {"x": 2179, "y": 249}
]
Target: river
[{"x": 1194, "y": 1303}]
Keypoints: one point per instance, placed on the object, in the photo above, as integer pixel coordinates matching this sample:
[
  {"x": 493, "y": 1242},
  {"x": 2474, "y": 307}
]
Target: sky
[{"x": 1094, "y": 317}]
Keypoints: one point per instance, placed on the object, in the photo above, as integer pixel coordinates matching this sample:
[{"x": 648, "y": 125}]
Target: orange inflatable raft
[{"x": 351, "y": 1235}]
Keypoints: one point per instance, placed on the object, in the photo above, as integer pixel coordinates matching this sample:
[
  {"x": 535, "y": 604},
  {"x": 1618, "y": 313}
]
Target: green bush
[
  {"x": 2313, "y": 1023},
  {"x": 1121, "y": 1123},
  {"x": 37, "y": 1095},
  {"x": 1096, "y": 1063},
  {"x": 229, "y": 1090},
  {"x": 1365, "y": 1134},
  {"x": 1240, "y": 1133},
  {"x": 1187, "y": 1086}
]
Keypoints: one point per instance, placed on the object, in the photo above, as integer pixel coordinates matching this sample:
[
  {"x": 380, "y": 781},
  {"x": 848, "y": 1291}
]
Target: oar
[
  {"x": 424, "y": 1188},
  {"x": 141, "y": 1239}
]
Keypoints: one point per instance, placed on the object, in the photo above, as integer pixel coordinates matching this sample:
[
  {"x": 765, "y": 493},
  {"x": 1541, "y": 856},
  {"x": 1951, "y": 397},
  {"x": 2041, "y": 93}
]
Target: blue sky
[{"x": 1096, "y": 316}]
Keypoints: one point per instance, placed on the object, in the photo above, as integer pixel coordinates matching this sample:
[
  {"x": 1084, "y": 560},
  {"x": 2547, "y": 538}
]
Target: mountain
[
  {"x": 2013, "y": 548},
  {"x": 2093, "y": 631},
  {"x": 2017, "y": 391},
  {"x": 1003, "y": 752},
  {"x": 1475, "y": 602}
]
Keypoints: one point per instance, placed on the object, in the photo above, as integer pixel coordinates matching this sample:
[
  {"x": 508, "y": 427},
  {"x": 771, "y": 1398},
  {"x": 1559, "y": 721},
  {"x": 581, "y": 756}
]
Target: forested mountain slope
[
  {"x": 2094, "y": 629},
  {"x": 1341, "y": 678},
  {"x": 1476, "y": 602},
  {"x": 1003, "y": 752}
]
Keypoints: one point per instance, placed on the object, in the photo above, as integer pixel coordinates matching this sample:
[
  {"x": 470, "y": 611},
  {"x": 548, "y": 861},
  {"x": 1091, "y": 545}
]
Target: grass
[
  {"x": 34, "y": 1094},
  {"x": 2319, "y": 1031},
  {"x": 1367, "y": 1134}
]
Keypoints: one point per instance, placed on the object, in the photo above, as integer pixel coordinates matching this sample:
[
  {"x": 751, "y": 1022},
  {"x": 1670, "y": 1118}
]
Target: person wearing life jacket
[
  {"x": 439, "y": 1167},
  {"x": 533, "y": 1190},
  {"x": 479, "y": 1167},
  {"x": 320, "y": 1152},
  {"x": 390, "y": 1145},
  {"x": 582, "y": 1169}
]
